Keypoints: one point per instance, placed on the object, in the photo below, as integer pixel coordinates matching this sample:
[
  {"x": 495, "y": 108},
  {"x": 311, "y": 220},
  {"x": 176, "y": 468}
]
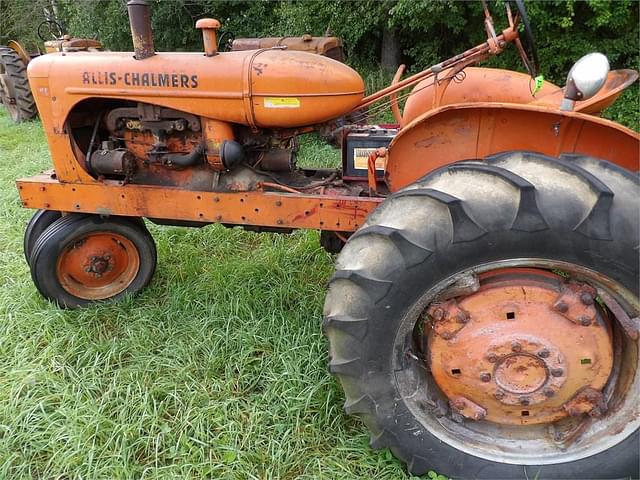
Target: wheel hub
[
  {"x": 98, "y": 266},
  {"x": 521, "y": 374},
  {"x": 512, "y": 353}
]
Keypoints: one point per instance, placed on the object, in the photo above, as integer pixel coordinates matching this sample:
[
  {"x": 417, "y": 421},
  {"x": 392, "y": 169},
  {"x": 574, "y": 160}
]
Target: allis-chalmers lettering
[{"x": 136, "y": 79}]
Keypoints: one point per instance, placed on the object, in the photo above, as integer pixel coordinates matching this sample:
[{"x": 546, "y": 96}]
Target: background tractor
[
  {"x": 15, "y": 93},
  {"x": 483, "y": 318}
]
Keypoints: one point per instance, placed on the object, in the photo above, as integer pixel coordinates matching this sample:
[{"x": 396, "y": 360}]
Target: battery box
[{"x": 358, "y": 145}]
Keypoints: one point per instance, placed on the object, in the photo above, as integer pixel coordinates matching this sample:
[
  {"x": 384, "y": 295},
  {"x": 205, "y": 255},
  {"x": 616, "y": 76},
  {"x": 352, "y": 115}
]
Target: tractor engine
[{"x": 149, "y": 144}]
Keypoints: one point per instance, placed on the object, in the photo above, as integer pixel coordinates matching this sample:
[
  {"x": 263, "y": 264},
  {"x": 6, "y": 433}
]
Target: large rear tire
[
  {"x": 536, "y": 221},
  {"x": 15, "y": 92}
]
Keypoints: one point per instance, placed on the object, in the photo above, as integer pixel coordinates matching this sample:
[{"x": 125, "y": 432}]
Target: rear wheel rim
[
  {"x": 568, "y": 438},
  {"x": 98, "y": 266}
]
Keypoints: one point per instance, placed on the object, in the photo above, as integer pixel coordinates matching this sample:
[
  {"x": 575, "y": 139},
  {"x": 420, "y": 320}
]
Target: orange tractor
[
  {"x": 483, "y": 316},
  {"x": 15, "y": 94}
]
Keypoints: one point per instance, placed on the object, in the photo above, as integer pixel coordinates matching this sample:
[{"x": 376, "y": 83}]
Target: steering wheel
[
  {"x": 226, "y": 41},
  {"x": 525, "y": 43},
  {"x": 49, "y": 29}
]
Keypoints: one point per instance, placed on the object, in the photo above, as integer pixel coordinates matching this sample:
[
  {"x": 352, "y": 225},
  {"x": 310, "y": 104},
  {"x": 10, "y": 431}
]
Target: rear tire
[
  {"x": 517, "y": 209},
  {"x": 82, "y": 259},
  {"x": 20, "y": 104}
]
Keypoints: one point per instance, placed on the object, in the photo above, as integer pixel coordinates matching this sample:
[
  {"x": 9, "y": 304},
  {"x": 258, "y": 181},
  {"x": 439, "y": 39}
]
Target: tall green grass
[{"x": 217, "y": 370}]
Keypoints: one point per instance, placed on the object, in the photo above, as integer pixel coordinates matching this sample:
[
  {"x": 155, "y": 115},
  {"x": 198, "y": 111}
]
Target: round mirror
[{"x": 586, "y": 77}]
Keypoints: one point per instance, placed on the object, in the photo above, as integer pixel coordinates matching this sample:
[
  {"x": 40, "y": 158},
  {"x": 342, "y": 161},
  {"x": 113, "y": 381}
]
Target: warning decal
[
  {"x": 361, "y": 159},
  {"x": 281, "y": 102}
]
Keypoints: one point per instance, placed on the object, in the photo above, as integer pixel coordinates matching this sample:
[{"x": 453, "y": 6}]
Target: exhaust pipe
[{"x": 140, "y": 21}]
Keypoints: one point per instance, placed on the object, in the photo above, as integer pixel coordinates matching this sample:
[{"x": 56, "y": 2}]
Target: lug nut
[
  {"x": 492, "y": 358},
  {"x": 585, "y": 321},
  {"x": 548, "y": 392},
  {"x": 557, "y": 372},
  {"x": 485, "y": 377},
  {"x": 462, "y": 317},
  {"x": 438, "y": 314},
  {"x": 561, "y": 306},
  {"x": 524, "y": 401},
  {"x": 544, "y": 353},
  {"x": 516, "y": 347},
  {"x": 499, "y": 395},
  {"x": 586, "y": 298}
]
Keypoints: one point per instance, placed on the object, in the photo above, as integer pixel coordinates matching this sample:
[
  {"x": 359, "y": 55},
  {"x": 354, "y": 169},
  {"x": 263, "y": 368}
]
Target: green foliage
[
  {"x": 428, "y": 31},
  {"x": 19, "y": 20},
  {"x": 626, "y": 110}
]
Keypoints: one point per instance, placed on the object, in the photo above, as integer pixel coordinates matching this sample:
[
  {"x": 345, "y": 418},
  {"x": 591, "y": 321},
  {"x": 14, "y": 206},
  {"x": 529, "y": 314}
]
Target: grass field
[{"x": 217, "y": 370}]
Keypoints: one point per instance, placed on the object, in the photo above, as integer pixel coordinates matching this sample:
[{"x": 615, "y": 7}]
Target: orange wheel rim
[
  {"x": 510, "y": 353},
  {"x": 98, "y": 266}
]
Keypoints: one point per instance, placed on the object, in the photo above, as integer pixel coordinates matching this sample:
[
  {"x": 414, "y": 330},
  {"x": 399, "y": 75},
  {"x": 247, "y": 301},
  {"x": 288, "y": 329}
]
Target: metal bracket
[{"x": 576, "y": 303}]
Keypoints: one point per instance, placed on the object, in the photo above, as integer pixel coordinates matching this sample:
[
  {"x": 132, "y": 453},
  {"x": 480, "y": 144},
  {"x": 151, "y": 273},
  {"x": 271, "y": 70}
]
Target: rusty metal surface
[
  {"x": 478, "y": 85},
  {"x": 277, "y": 160},
  {"x": 327, "y": 46},
  {"x": 467, "y": 408},
  {"x": 69, "y": 44},
  {"x": 140, "y": 22},
  {"x": 447, "y": 318},
  {"x": 630, "y": 326},
  {"x": 323, "y": 212},
  {"x": 209, "y": 27},
  {"x": 98, "y": 265},
  {"x": 576, "y": 303},
  {"x": 587, "y": 400},
  {"x": 466, "y": 131},
  {"x": 506, "y": 349}
]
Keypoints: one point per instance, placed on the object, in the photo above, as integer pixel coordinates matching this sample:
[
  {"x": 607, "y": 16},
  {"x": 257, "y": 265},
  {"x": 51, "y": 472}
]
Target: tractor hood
[{"x": 270, "y": 88}]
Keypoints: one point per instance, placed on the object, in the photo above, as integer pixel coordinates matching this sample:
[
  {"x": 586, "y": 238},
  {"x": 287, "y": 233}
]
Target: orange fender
[{"x": 474, "y": 130}]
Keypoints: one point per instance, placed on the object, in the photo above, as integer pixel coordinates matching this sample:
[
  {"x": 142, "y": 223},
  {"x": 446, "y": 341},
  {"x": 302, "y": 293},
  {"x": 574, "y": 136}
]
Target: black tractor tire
[
  {"x": 38, "y": 224},
  {"x": 71, "y": 230},
  {"x": 21, "y": 106},
  {"x": 515, "y": 205}
]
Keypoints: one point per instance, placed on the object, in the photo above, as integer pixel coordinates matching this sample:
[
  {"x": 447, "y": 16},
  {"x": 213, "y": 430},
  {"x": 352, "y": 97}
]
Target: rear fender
[{"x": 475, "y": 130}]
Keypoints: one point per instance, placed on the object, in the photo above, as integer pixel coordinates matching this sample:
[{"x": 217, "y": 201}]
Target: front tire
[
  {"x": 36, "y": 226},
  {"x": 556, "y": 220},
  {"x": 82, "y": 259}
]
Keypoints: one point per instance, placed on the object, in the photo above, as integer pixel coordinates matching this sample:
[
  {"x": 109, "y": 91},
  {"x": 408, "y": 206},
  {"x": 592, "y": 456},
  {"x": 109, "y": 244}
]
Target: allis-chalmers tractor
[
  {"x": 483, "y": 316},
  {"x": 15, "y": 94}
]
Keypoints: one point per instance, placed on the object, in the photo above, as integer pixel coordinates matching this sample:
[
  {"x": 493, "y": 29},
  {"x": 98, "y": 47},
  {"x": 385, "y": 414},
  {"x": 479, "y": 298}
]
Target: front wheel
[
  {"x": 81, "y": 259},
  {"x": 483, "y": 322},
  {"x": 36, "y": 226}
]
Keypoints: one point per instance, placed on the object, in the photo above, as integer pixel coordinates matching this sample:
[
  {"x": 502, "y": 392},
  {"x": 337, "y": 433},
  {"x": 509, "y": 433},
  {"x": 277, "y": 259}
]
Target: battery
[{"x": 358, "y": 145}]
